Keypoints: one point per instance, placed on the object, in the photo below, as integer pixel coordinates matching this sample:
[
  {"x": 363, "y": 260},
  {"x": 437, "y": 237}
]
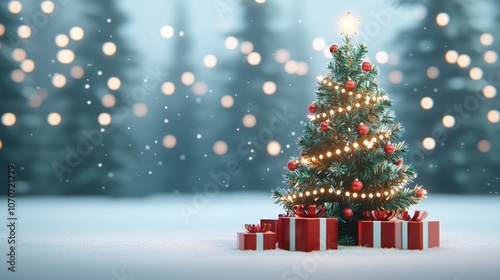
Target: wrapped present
[
  {"x": 275, "y": 226},
  {"x": 379, "y": 231},
  {"x": 417, "y": 234},
  {"x": 257, "y": 237},
  {"x": 308, "y": 234}
]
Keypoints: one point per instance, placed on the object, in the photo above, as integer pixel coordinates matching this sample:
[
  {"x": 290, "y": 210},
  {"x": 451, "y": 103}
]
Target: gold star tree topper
[{"x": 348, "y": 24}]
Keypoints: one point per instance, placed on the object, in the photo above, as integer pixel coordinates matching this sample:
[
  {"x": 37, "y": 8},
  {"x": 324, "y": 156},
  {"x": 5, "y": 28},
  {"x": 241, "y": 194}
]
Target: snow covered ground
[{"x": 150, "y": 238}]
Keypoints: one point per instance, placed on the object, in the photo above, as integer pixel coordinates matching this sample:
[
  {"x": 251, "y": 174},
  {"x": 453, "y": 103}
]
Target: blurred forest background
[{"x": 130, "y": 98}]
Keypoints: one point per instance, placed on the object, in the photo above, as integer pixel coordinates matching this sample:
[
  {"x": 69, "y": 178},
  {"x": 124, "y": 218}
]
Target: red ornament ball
[
  {"x": 334, "y": 48},
  {"x": 363, "y": 129},
  {"x": 420, "y": 193},
  {"x": 399, "y": 162},
  {"x": 347, "y": 214},
  {"x": 292, "y": 165},
  {"x": 356, "y": 185},
  {"x": 389, "y": 149},
  {"x": 324, "y": 126},
  {"x": 313, "y": 108},
  {"x": 350, "y": 85},
  {"x": 366, "y": 66}
]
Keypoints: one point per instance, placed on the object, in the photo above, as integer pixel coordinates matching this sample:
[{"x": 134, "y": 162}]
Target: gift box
[
  {"x": 275, "y": 226},
  {"x": 257, "y": 240},
  {"x": 379, "y": 234},
  {"x": 308, "y": 234},
  {"x": 419, "y": 235}
]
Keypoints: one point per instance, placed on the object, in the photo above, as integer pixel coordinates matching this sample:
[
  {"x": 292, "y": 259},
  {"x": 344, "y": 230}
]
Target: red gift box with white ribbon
[
  {"x": 379, "y": 231},
  {"x": 417, "y": 234},
  {"x": 257, "y": 238},
  {"x": 275, "y": 226},
  {"x": 308, "y": 234}
]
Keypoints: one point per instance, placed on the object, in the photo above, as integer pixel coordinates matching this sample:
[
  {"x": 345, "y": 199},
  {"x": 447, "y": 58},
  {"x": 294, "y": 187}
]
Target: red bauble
[
  {"x": 363, "y": 129},
  {"x": 350, "y": 85},
  {"x": 292, "y": 165},
  {"x": 366, "y": 66},
  {"x": 313, "y": 108},
  {"x": 356, "y": 185},
  {"x": 389, "y": 149},
  {"x": 420, "y": 192},
  {"x": 303, "y": 154},
  {"x": 399, "y": 162},
  {"x": 347, "y": 214},
  {"x": 324, "y": 126},
  {"x": 334, "y": 48}
]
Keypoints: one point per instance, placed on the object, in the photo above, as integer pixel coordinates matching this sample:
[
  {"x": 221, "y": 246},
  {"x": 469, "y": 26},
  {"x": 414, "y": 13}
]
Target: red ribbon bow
[
  {"x": 309, "y": 211},
  {"x": 257, "y": 228},
  {"x": 379, "y": 215},
  {"x": 419, "y": 215}
]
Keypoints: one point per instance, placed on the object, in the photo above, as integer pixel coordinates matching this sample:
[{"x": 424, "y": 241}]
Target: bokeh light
[
  {"x": 246, "y": 47},
  {"x": 282, "y": 56},
  {"x": 476, "y": 73},
  {"x": 24, "y": 31},
  {"x": 8, "y": 119},
  {"x": 62, "y": 40},
  {"x": 140, "y": 110},
  {"x": 210, "y": 61},
  {"x": 47, "y": 7},
  {"x": 18, "y": 54},
  {"x": 448, "y": 121},
  {"x": 28, "y": 65},
  {"x": 187, "y": 78},
  {"x": 76, "y": 33},
  {"x": 318, "y": 44},
  {"x": 486, "y": 39},
  {"x": 227, "y": 101},
  {"x": 396, "y": 77},
  {"x": 269, "y": 87},
  {"x": 168, "y": 88},
  {"x": 489, "y": 91},
  {"x": 249, "y": 120},
  {"x": 54, "y": 119},
  {"x": 17, "y": 76},
  {"x": 2, "y": 29},
  {"x": 35, "y": 101},
  {"x": 58, "y": 80},
  {"x": 1, "y": 144},
  {"x": 291, "y": 67},
  {"x": 260, "y": 1},
  {"x": 220, "y": 148},
  {"x": 493, "y": 116},
  {"x": 15, "y": 7},
  {"x": 484, "y": 146},
  {"x": 109, "y": 48},
  {"x": 253, "y": 58},
  {"x": 114, "y": 83},
  {"x": 108, "y": 100},
  {"x": 167, "y": 31},
  {"x": 65, "y": 56},
  {"x": 104, "y": 119},
  {"x": 169, "y": 141},
  {"x": 427, "y": 103},
  {"x": 273, "y": 148},
  {"x": 463, "y": 60},
  {"x": 429, "y": 143},
  {"x": 442, "y": 19},
  {"x": 490, "y": 57},
  {"x": 77, "y": 72},
  {"x": 382, "y": 57},
  {"x": 451, "y": 56},
  {"x": 231, "y": 43},
  {"x": 200, "y": 88},
  {"x": 432, "y": 72},
  {"x": 302, "y": 68}
]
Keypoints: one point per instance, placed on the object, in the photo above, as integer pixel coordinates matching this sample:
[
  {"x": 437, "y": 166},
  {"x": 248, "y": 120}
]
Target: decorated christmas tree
[{"x": 350, "y": 160}]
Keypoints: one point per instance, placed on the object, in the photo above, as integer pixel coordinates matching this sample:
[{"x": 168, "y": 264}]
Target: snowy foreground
[{"x": 149, "y": 238}]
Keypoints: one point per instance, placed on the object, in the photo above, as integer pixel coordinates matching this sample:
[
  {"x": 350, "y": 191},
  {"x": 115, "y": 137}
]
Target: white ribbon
[
  {"x": 322, "y": 234},
  {"x": 377, "y": 234},
  {"x": 292, "y": 234},
  {"x": 404, "y": 235},
  {"x": 425, "y": 228},
  {"x": 260, "y": 241}
]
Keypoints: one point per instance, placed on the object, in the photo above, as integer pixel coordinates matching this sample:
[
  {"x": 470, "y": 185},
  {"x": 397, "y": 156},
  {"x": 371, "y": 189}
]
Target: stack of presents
[{"x": 305, "y": 230}]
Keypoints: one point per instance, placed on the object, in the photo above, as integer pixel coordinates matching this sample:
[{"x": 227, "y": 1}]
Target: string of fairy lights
[{"x": 332, "y": 191}]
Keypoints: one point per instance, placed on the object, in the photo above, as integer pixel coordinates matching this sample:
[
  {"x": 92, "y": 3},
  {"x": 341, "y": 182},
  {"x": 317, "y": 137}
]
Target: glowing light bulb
[
  {"x": 354, "y": 195},
  {"x": 315, "y": 192},
  {"x": 347, "y": 193},
  {"x": 322, "y": 190},
  {"x": 378, "y": 194},
  {"x": 300, "y": 194},
  {"x": 370, "y": 195},
  {"x": 337, "y": 152},
  {"x": 363, "y": 195},
  {"x": 338, "y": 192},
  {"x": 329, "y": 154},
  {"x": 308, "y": 193},
  {"x": 330, "y": 190}
]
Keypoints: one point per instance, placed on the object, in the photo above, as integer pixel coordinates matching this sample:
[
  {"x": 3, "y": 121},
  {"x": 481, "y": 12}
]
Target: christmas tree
[{"x": 350, "y": 159}]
